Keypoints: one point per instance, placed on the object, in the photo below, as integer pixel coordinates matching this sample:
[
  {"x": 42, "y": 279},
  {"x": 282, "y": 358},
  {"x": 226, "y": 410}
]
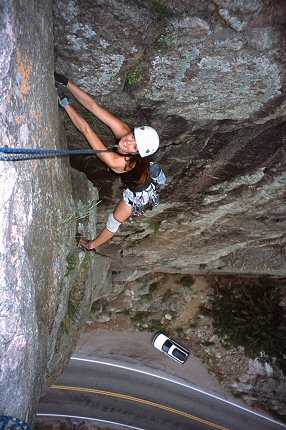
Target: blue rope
[
  {"x": 11, "y": 423},
  {"x": 16, "y": 154}
]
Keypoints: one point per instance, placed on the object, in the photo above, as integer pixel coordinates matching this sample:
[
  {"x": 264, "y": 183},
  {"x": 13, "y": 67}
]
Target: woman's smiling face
[{"x": 127, "y": 143}]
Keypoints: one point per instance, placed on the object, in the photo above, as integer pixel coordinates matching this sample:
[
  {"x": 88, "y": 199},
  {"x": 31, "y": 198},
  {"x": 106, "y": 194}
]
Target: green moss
[
  {"x": 133, "y": 74},
  {"x": 161, "y": 9},
  {"x": 72, "y": 264},
  {"x": 156, "y": 227},
  {"x": 88, "y": 258},
  {"x": 163, "y": 42},
  {"x": 74, "y": 307}
]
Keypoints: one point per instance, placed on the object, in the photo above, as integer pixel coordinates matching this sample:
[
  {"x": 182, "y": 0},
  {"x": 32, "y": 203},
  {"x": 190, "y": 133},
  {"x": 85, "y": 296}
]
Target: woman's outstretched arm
[
  {"x": 111, "y": 159},
  {"x": 119, "y": 127}
]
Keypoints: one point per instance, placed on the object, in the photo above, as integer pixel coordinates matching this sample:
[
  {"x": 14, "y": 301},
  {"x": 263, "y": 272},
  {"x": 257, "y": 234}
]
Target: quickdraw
[{"x": 138, "y": 208}]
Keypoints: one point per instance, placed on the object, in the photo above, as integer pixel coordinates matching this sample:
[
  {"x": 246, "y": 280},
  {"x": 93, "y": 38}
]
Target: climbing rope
[
  {"x": 16, "y": 154},
  {"x": 10, "y": 423}
]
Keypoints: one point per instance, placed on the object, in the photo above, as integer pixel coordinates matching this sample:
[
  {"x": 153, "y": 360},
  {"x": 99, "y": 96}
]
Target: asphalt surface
[
  {"x": 122, "y": 389},
  {"x": 136, "y": 399},
  {"x": 135, "y": 348}
]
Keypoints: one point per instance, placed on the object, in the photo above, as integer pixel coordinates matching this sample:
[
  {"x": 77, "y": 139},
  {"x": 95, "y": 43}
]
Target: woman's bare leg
[{"x": 121, "y": 213}]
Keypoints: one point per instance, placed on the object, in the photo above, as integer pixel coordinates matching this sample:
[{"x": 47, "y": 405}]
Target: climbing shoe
[
  {"x": 62, "y": 98},
  {"x": 61, "y": 79}
]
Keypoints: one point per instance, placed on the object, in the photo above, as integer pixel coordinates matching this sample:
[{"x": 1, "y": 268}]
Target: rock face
[
  {"x": 210, "y": 76},
  {"x": 46, "y": 285}
]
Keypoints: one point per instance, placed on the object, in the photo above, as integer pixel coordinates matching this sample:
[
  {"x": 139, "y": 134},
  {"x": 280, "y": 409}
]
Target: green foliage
[
  {"x": 72, "y": 264},
  {"x": 153, "y": 287},
  {"x": 208, "y": 344},
  {"x": 133, "y": 74},
  {"x": 193, "y": 325},
  {"x": 84, "y": 213},
  {"x": 139, "y": 317},
  {"x": 147, "y": 298},
  {"x": 163, "y": 42},
  {"x": 156, "y": 325},
  {"x": 73, "y": 308},
  {"x": 156, "y": 227},
  {"x": 251, "y": 316},
  {"x": 186, "y": 281},
  {"x": 162, "y": 10}
]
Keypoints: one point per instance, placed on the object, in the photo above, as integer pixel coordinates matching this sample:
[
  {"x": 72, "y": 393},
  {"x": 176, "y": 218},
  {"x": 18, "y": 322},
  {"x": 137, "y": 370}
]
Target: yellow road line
[{"x": 138, "y": 400}]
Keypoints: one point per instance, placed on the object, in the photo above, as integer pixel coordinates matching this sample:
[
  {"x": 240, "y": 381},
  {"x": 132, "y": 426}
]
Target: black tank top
[{"x": 129, "y": 180}]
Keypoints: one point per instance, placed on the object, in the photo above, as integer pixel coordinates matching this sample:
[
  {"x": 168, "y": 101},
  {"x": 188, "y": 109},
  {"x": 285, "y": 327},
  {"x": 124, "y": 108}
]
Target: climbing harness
[
  {"x": 139, "y": 205},
  {"x": 17, "y": 154},
  {"x": 10, "y": 423}
]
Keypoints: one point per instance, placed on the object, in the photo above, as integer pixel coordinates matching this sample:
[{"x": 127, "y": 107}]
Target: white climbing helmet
[{"x": 147, "y": 140}]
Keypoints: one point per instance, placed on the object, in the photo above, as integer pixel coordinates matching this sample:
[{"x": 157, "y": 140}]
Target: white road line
[
  {"x": 183, "y": 384},
  {"x": 90, "y": 419}
]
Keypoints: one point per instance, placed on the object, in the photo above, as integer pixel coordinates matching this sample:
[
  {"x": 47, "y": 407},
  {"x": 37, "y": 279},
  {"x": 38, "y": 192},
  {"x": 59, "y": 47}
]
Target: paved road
[{"x": 142, "y": 401}]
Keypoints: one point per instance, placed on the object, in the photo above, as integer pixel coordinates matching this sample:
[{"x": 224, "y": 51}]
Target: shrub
[
  {"x": 186, "y": 281},
  {"x": 252, "y": 316},
  {"x": 156, "y": 325},
  {"x": 133, "y": 74}
]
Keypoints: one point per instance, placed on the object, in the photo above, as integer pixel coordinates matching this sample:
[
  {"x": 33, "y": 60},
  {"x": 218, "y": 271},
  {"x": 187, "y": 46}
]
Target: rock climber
[{"x": 130, "y": 160}]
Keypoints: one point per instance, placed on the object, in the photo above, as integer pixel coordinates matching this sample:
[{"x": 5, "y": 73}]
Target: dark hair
[
  {"x": 141, "y": 168},
  {"x": 139, "y": 165}
]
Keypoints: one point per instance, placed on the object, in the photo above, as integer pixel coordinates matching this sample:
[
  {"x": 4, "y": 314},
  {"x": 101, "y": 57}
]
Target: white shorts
[{"x": 140, "y": 198}]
